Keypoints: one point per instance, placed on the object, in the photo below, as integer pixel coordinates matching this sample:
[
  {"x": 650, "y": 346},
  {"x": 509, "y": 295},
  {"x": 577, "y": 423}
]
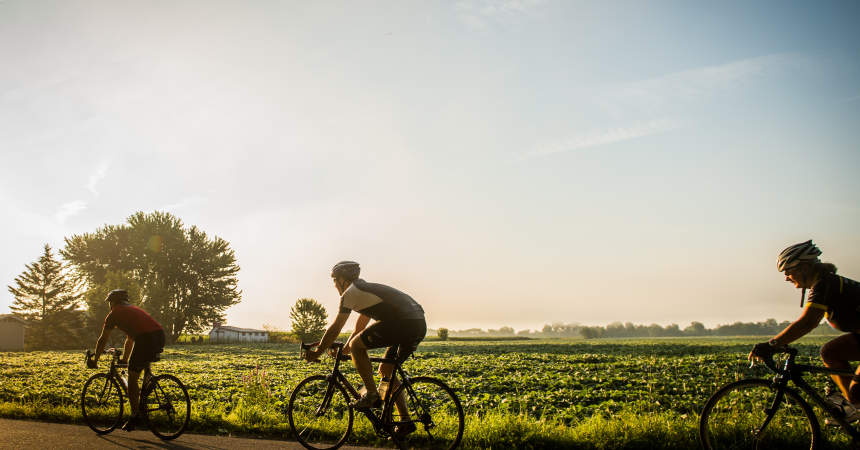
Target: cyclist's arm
[
  {"x": 332, "y": 332},
  {"x": 100, "y": 344},
  {"x": 126, "y": 350},
  {"x": 360, "y": 325},
  {"x": 807, "y": 322}
]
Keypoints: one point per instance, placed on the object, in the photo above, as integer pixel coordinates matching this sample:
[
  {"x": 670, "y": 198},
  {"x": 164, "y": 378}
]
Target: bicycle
[
  {"x": 164, "y": 402},
  {"x": 760, "y": 413},
  {"x": 321, "y": 417}
]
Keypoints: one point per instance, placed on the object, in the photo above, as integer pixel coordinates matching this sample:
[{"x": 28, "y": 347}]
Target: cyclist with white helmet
[
  {"x": 399, "y": 325},
  {"x": 832, "y": 296}
]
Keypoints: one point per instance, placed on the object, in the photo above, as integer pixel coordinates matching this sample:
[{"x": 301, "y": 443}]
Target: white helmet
[{"x": 796, "y": 254}]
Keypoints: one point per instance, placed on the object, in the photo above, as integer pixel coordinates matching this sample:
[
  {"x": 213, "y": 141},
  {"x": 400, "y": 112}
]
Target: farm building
[
  {"x": 223, "y": 334},
  {"x": 12, "y": 331}
]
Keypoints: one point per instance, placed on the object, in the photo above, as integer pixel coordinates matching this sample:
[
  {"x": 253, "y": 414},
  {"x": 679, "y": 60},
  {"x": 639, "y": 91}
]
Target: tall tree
[
  {"x": 48, "y": 298},
  {"x": 309, "y": 319},
  {"x": 187, "y": 280}
]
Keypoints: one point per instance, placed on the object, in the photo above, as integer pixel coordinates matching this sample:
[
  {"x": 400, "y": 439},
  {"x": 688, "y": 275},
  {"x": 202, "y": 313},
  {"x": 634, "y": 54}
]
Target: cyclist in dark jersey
[
  {"x": 399, "y": 325},
  {"x": 832, "y": 296},
  {"x": 144, "y": 341}
]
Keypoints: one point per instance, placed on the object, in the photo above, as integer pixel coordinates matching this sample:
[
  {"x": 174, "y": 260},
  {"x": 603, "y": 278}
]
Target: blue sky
[{"x": 507, "y": 163}]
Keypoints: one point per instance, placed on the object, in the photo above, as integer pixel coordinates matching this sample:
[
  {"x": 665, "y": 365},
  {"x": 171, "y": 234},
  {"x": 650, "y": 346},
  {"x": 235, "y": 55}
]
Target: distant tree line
[
  {"x": 178, "y": 274},
  {"x": 768, "y": 327}
]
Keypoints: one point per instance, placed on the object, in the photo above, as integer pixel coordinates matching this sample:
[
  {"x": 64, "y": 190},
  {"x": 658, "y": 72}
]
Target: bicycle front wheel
[
  {"x": 736, "y": 417},
  {"x": 101, "y": 403},
  {"x": 319, "y": 413},
  {"x": 432, "y": 408},
  {"x": 167, "y": 406}
]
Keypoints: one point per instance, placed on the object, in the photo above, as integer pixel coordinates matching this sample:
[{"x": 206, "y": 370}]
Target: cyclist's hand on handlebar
[
  {"x": 91, "y": 362},
  {"x": 312, "y": 355},
  {"x": 762, "y": 350}
]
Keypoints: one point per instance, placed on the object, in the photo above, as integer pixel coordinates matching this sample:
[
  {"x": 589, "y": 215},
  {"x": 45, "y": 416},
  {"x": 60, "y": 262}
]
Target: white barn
[
  {"x": 222, "y": 334},
  {"x": 12, "y": 332}
]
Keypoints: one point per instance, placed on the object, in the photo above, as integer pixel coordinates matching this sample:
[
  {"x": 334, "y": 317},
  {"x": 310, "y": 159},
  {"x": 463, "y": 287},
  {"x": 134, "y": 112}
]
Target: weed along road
[{"x": 23, "y": 434}]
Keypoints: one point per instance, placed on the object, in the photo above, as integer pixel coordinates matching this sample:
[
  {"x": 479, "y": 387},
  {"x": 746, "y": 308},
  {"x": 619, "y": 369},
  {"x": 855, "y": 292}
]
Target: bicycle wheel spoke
[
  {"x": 168, "y": 406},
  {"x": 742, "y": 416},
  {"x": 101, "y": 403},
  {"x": 319, "y": 413},
  {"x": 434, "y": 410}
]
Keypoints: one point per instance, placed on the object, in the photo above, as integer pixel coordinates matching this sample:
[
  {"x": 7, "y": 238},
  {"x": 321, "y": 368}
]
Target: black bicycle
[
  {"x": 763, "y": 414},
  {"x": 164, "y": 401},
  {"x": 321, "y": 416}
]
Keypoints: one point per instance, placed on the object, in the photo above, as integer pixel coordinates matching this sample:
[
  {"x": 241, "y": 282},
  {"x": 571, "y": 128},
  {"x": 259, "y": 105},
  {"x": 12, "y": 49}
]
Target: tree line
[
  {"x": 630, "y": 330},
  {"x": 181, "y": 276}
]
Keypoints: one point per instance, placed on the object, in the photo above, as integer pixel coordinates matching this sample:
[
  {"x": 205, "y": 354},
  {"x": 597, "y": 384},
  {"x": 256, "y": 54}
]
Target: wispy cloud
[
  {"x": 98, "y": 176},
  {"x": 850, "y": 99},
  {"x": 597, "y": 138},
  {"x": 679, "y": 89},
  {"x": 481, "y": 14},
  {"x": 70, "y": 209}
]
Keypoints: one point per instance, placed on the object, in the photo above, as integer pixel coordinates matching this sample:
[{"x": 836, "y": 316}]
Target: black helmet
[
  {"x": 117, "y": 295},
  {"x": 346, "y": 269}
]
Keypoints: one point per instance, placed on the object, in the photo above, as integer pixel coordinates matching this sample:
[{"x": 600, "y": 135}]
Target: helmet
[
  {"x": 346, "y": 269},
  {"x": 796, "y": 254},
  {"x": 117, "y": 295}
]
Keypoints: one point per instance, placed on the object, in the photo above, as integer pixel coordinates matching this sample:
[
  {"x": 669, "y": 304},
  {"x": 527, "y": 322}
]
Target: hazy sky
[{"x": 509, "y": 163}]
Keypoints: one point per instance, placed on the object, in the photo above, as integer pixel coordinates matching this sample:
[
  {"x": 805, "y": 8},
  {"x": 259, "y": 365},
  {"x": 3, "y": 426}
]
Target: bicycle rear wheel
[
  {"x": 734, "y": 416},
  {"x": 101, "y": 403},
  {"x": 319, "y": 413},
  {"x": 167, "y": 406},
  {"x": 435, "y": 411}
]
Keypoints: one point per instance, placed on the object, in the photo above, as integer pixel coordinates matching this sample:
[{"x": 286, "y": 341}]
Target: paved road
[{"x": 25, "y": 434}]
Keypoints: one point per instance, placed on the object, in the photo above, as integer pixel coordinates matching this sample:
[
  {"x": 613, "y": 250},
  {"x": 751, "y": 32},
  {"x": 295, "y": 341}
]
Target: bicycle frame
[
  {"x": 792, "y": 371},
  {"x": 113, "y": 372},
  {"x": 377, "y": 421}
]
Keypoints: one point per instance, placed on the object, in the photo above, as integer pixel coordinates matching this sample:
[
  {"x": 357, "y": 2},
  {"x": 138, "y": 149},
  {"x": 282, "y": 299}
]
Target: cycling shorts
[
  {"x": 146, "y": 348},
  {"x": 400, "y": 336}
]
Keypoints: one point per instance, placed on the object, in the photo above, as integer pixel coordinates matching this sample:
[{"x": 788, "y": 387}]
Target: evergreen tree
[
  {"x": 48, "y": 298},
  {"x": 309, "y": 319}
]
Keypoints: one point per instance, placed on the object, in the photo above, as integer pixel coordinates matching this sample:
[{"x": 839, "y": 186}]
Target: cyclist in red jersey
[{"x": 144, "y": 341}]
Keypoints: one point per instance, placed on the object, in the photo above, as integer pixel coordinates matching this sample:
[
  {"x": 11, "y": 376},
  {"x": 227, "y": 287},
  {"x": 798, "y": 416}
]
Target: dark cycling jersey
[
  {"x": 840, "y": 297},
  {"x": 131, "y": 319},
  {"x": 379, "y": 302}
]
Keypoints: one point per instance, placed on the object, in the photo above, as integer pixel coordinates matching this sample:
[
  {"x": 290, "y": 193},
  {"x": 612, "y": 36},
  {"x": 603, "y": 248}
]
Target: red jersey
[{"x": 131, "y": 319}]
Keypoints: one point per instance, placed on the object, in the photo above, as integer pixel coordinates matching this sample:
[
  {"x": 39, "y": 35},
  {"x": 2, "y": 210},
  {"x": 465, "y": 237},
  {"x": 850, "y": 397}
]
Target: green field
[{"x": 525, "y": 393}]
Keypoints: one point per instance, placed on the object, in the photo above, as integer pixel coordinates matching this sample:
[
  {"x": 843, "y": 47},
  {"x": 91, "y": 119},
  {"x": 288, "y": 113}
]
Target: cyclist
[
  {"x": 144, "y": 341},
  {"x": 833, "y": 296},
  {"x": 399, "y": 325}
]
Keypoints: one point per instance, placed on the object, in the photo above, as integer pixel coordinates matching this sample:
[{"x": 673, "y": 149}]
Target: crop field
[{"x": 525, "y": 394}]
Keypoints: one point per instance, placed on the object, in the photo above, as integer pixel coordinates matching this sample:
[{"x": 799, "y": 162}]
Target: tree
[
  {"x": 95, "y": 296},
  {"x": 48, "y": 298},
  {"x": 187, "y": 280},
  {"x": 309, "y": 319},
  {"x": 442, "y": 333}
]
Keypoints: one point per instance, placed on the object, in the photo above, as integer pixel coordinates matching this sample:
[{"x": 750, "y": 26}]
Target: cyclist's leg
[
  {"x": 402, "y": 351},
  {"x": 361, "y": 360},
  {"x": 133, "y": 390},
  {"x": 146, "y": 347},
  {"x": 386, "y": 373},
  {"x": 836, "y": 354}
]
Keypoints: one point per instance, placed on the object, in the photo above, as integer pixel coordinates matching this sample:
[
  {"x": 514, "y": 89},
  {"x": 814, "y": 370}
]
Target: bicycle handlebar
[
  {"x": 770, "y": 363},
  {"x": 304, "y": 347},
  {"x": 115, "y": 352}
]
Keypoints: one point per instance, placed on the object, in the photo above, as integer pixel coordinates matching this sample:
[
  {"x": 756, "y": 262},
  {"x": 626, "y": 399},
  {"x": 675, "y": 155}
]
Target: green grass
[{"x": 610, "y": 393}]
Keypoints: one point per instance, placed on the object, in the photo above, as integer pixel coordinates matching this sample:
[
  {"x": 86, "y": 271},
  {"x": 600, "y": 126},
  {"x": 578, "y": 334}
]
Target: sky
[{"x": 506, "y": 163}]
